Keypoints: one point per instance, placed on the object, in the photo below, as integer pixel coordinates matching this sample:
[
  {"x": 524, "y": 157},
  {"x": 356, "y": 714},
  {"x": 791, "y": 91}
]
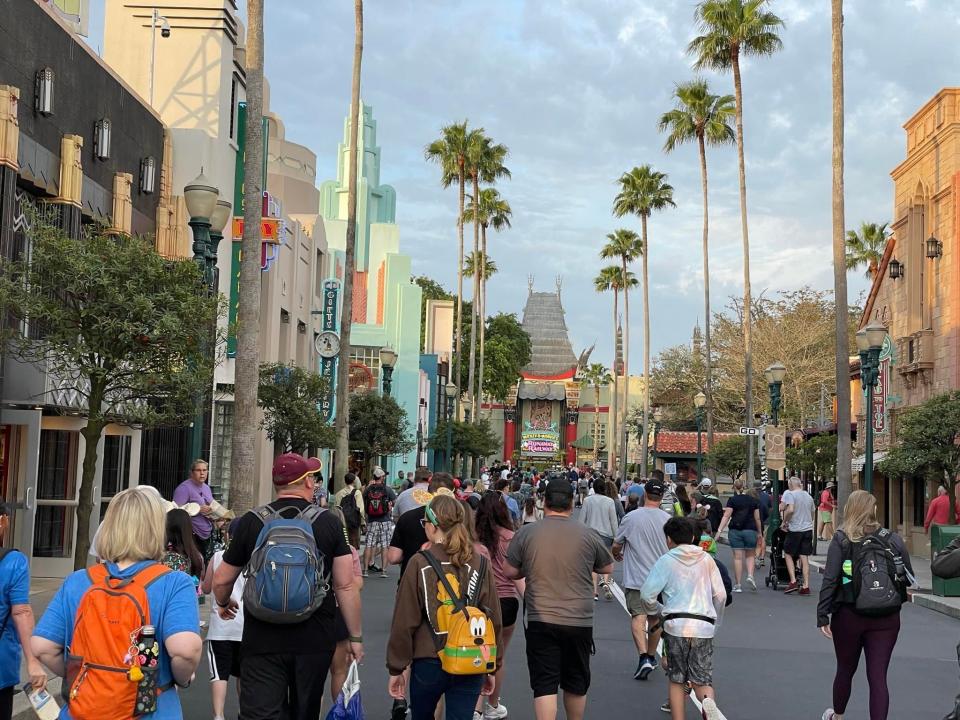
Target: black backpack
[
  {"x": 351, "y": 513},
  {"x": 878, "y": 575}
]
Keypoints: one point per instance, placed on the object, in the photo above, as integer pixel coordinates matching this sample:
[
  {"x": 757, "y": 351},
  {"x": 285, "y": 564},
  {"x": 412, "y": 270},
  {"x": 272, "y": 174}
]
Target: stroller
[{"x": 778, "y": 574}]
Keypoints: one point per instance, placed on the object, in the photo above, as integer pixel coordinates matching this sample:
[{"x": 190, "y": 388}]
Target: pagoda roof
[{"x": 551, "y": 356}]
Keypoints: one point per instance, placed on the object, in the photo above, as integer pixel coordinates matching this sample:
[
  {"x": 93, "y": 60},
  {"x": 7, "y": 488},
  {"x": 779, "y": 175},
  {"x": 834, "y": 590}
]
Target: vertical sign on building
[
  {"x": 328, "y": 345},
  {"x": 878, "y": 411}
]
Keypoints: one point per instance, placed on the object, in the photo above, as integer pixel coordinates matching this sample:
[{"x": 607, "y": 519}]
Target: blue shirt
[
  {"x": 173, "y": 609},
  {"x": 512, "y": 506},
  {"x": 14, "y": 590},
  {"x": 636, "y": 489}
]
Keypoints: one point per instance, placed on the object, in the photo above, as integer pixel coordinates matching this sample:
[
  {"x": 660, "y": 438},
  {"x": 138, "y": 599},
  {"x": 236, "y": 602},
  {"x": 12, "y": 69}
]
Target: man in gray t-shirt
[
  {"x": 797, "y": 509},
  {"x": 639, "y": 544}
]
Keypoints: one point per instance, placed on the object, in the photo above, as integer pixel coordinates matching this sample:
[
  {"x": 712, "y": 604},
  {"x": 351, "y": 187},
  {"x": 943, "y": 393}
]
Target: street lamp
[
  {"x": 388, "y": 360},
  {"x": 869, "y": 343},
  {"x": 467, "y": 404},
  {"x": 201, "y": 200},
  {"x": 699, "y": 400},
  {"x": 657, "y": 420},
  {"x": 218, "y": 221},
  {"x": 156, "y": 21},
  {"x": 450, "y": 390},
  {"x": 774, "y": 375}
]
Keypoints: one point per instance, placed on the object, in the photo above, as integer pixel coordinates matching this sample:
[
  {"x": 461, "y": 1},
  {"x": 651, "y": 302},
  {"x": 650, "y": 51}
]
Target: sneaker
[
  {"x": 737, "y": 588},
  {"x": 751, "y": 583},
  {"x": 374, "y": 569},
  {"x": 711, "y": 711},
  {"x": 596, "y": 598},
  {"x": 477, "y": 716},
  {"x": 828, "y": 714},
  {"x": 636, "y": 675},
  {"x": 383, "y": 573},
  {"x": 804, "y": 591},
  {"x": 791, "y": 588},
  {"x": 665, "y": 707},
  {"x": 647, "y": 666},
  {"x": 607, "y": 592},
  {"x": 365, "y": 574},
  {"x": 495, "y": 712},
  {"x": 399, "y": 710}
]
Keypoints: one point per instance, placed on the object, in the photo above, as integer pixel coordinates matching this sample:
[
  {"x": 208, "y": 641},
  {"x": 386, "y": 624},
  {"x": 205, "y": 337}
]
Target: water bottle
[{"x": 147, "y": 659}]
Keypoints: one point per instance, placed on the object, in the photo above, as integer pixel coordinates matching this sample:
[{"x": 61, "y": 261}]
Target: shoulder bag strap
[
  {"x": 459, "y": 602},
  {"x": 481, "y": 577},
  {"x": 311, "y": 513}
]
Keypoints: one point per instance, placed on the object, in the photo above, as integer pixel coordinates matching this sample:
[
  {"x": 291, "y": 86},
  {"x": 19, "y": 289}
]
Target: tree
[
  {"x": 378, "y": 426},
  {"x": 728, "y": 457},
  {"x": 840, "y": 261},
  {"x": 612, "y": 278},
  {"x": 676, "y": 376},
  {"x": 929, "y": 444},
  {"x": 644, "y": 191},
  {"x": 508, "y": 350},
  {"x": 450, "y": 152},
  {"x": 290, "y": 397},
  {"x": 865, "y": 248},
  {"x": 472, "y": 439},
  {"x": 596, "y": 376},
  {"x": 731, "y": 29},
  {"x": 343, "y": 416},
  {"x": 484, "y": 164},
  {"x": 123, "y": 329},
  {"x": 816, "y": 457},
  {"x": 703, "y": 117},
  {"x": 247, "y": 366},
  {"x": 492, "y": 211},
  {"x": 430, "y": 290}
]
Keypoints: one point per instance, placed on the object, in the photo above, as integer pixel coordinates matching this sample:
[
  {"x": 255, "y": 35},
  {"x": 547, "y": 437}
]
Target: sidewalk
[{"x": 923, "y": 595}]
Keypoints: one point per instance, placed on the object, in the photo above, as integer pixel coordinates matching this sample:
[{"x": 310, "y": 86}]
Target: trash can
[{"x": 940, "y": 537}]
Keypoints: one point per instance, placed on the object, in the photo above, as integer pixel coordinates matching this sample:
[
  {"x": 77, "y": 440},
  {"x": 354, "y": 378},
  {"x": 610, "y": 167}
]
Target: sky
[{"x": 575, "y": 89}]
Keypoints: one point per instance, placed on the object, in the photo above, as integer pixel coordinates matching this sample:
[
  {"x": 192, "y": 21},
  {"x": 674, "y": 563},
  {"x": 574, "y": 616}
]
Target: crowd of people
[{"x": 476, "y": 558}]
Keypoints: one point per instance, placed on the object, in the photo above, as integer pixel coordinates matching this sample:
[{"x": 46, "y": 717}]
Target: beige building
[{"x": 916, "y": 294}]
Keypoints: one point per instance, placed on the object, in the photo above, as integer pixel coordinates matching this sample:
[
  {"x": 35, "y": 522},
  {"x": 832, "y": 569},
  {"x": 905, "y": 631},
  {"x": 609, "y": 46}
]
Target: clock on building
[{"x": 327, "y": 344}]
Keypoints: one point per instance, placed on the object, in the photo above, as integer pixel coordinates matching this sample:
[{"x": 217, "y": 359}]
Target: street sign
[
  {"x": 269, "y": 229},
  {"x": 669, "y": 468},
  {"x": 744, "y": 430},
  {"x": 776, "y": 446}
]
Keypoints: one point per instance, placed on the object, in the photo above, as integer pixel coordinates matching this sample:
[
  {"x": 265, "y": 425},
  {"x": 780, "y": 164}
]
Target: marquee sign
[{"x": 539, "y": 442}]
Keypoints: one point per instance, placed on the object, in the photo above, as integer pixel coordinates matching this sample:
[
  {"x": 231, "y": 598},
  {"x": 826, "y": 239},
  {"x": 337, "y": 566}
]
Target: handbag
[{"x": 348, "y": 705}]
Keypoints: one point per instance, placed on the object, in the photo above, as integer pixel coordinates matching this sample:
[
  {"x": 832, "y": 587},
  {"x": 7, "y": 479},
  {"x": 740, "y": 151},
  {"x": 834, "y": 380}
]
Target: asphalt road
[{"x": 770, "y": 661}]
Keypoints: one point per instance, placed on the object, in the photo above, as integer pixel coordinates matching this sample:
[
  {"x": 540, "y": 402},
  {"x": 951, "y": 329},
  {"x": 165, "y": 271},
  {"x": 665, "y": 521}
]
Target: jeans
[{"x": 428, "y": 683}]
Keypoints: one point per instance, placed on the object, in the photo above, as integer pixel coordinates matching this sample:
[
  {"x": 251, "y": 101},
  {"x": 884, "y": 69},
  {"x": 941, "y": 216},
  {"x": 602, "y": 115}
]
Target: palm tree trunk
[
  {"x": 596, "y": 423},
  {"x": 342, "y": 419},
  {"x": 646, "y": 349},
  {"x": 475, "y": 306},
  {"x": 483, "y": 310},
  {"x": 613, "y": 440},
  {"x": 626, "y": 373},
  {"x": 708, "y": 357},
  {"x": 458, "y": 320},
  {"x": 844, "y": 475},
  {"x": 747, "y": 298},
  {"x": 243, "y": 453}
]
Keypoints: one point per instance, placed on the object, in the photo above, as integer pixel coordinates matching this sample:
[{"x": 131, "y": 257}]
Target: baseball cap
[
  {"x": 560, "y": 487},
  {"x": 378, "y": 472},
  {"x": 291, "y": 467},
  {"x": 654, "y": 487},
  {"x": 705, "y": 483}
]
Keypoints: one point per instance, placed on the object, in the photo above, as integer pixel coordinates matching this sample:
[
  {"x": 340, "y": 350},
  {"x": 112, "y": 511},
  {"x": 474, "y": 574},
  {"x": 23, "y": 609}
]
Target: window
[
  {"x": 233, "y": 106},
  {"x": 116, "y": 468},
  {"x": 919, "y": 501},
  {"x": 222, "y": 447},
  {"x": 364, "y": 368},
  {"x": 56, "y": 494},
  {"x": 318, "y": 272}
]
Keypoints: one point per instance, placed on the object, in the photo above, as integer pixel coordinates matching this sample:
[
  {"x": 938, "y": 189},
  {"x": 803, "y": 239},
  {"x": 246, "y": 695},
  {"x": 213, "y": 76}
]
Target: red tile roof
[{"x": 685, "y": 443}]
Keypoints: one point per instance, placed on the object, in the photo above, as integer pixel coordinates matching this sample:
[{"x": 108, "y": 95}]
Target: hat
[
  {"x": 831, "y": 484},
  {"x": 290, "y": 468},
  {"x": 705, "y": 483},
  {"x": 560, "y": 487},
  {"x": 191, "y": 508},
  {"x": 655, "y": 488},
  {"x": 378, "y": 472}
]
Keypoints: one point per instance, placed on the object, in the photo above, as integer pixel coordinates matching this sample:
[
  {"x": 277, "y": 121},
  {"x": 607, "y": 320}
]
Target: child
[
  {"x": 709, "y": 545},
  {"x": 693, "y": 601}
]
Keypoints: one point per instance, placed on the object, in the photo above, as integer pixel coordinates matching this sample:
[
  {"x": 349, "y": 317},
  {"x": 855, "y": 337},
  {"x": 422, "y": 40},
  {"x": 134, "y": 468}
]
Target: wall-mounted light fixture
[
  {"x": 101, "y": 139},
  {"x": 934, "y": 248},
  {"x": 148, "y": 174},
  {"x": 895, "y": 269},
  {"x": 43, "y": 97}
]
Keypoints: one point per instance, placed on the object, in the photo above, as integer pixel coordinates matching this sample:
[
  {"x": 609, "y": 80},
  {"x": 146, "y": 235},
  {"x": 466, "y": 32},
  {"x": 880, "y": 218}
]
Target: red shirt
[{"x": 939, "y": 512}]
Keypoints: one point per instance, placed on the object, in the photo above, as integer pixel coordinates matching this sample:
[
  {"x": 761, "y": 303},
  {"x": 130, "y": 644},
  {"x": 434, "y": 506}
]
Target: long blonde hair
[
  {"x": 134, "y": 527},
  {"x": 859, "y": 515},
  {"x": 451, "y": 520}
]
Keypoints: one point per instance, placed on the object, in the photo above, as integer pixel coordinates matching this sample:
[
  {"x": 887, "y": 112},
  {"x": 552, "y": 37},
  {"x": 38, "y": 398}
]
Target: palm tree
[
  {"x": 342, "y": 418},
  {"x": 484, "y": 164},
  {"x": 705, "y": 118},
  {"x": 624, "y": 245},
  {"x": 492, "y": 211},
  {"x": 613, "y": 278},
  {"x": 596, "y": 376},
  {"x": 865, "y": 247},
  {"x": 731, "y": 29},
  {"x": 644, "y": 191},
  {"x": 841, "y": 261},
  {"x": 450, "y": 152},
  {"x": 247, "y": 369}
]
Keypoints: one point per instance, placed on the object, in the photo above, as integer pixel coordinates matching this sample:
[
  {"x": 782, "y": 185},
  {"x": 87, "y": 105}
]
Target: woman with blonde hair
[
  {"x": 75, "y": 646},
  {"x": 422, "y": 611},
  {"x": 742, "y": 514},
  {"x": 842, "y": 613}
]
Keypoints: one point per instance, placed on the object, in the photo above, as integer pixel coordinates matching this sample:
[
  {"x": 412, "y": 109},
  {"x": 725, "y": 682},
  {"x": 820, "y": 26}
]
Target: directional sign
[
  {"x": 670, "y": 468},
  {"x": 744, "y": 430}
]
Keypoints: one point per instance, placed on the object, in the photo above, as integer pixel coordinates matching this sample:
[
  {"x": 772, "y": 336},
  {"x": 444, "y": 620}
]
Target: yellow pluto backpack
[{"x": 470, "y": 645}]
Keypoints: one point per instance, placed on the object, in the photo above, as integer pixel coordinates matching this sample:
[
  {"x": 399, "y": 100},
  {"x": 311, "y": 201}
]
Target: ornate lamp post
[
  {"x": 466, "y": 403},
  {"x": 218, "y": 221},
  {"x": 774, "y": 375},
  {"x": 699, "y": 400},
  {"x": 450, "y": 390},
  {"x": 657, "y": 421},
  {"x": 869, "y": 343},
  {"x": 388, "y": 360},
  {"x": 201, "y": 200}
]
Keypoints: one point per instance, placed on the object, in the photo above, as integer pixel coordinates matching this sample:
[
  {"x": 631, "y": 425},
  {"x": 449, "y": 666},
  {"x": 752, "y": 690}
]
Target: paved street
[{"x": 770, "y": 662}]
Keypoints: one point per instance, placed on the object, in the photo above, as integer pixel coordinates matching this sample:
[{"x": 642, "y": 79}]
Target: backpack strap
[
  {"x": 459, "y": 602},
  {"x": 311, "y": 513},
  {"x": 481, "y": 576},
  {"x": 265, "y": 513}
]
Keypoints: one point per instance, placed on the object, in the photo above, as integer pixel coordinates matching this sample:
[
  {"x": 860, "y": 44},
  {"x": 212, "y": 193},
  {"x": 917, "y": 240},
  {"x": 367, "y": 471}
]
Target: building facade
[{"x": 916, "y": 295}]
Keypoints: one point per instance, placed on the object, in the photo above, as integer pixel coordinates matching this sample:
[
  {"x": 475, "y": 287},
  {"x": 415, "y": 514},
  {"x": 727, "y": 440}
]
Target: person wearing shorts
[
  {"x": 557, "y": 557},
  {"x": 797, "y": 509},
  {"x": 223, "y": 636},
  {"x": 742, "y": 515},
  {"x": 378, "y": 502}
]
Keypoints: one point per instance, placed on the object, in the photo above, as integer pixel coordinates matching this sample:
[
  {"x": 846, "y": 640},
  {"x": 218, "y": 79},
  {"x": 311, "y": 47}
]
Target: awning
[
  {"x": 585, "y": 442},
  {"x": 860, "y": 460}
]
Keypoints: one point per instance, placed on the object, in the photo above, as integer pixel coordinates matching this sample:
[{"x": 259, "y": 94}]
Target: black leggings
[{"x": 875, "y": 636}]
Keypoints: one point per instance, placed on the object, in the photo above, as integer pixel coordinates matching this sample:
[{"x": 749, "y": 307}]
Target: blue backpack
[{"x": 285, "y": 580}]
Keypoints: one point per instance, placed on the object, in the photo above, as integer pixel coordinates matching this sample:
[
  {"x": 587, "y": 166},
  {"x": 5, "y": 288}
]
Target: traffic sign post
[{"x": 745, "y": 430}]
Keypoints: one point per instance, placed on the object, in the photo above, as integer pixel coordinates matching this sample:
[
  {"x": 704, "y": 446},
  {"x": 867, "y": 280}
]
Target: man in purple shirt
[{"x": 195, "y": 489}]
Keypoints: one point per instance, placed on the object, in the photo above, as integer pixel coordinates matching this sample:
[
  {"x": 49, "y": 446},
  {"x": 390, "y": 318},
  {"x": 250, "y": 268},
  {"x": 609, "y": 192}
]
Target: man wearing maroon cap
[{"x": 284, "y": 667}]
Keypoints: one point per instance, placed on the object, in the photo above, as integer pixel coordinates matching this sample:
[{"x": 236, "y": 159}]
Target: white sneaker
[
  {"x": 495, "y": 712},
  {"x": 711, "y": 711},
  {"x": 751, "y": 583},
  {"x": 477, "y": 716},
  {"x": 828, "y": 714},
  {"x": 736, "y": 588}
]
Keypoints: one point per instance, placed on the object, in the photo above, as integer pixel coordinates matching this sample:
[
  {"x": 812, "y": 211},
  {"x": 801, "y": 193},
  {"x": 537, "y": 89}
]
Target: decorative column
[
  {"x": 571, "y": 436},
  {"x": 509, "y": 432},
  {"x": 71, "y": 184}
]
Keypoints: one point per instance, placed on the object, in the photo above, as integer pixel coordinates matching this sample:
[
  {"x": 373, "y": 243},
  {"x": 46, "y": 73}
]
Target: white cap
[
  {"x": 378, "y": 471},
  {"x": 705, "y": 483}
]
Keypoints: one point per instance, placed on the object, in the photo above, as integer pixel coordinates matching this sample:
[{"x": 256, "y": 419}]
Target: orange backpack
[{"x": 103, "y": 675}]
